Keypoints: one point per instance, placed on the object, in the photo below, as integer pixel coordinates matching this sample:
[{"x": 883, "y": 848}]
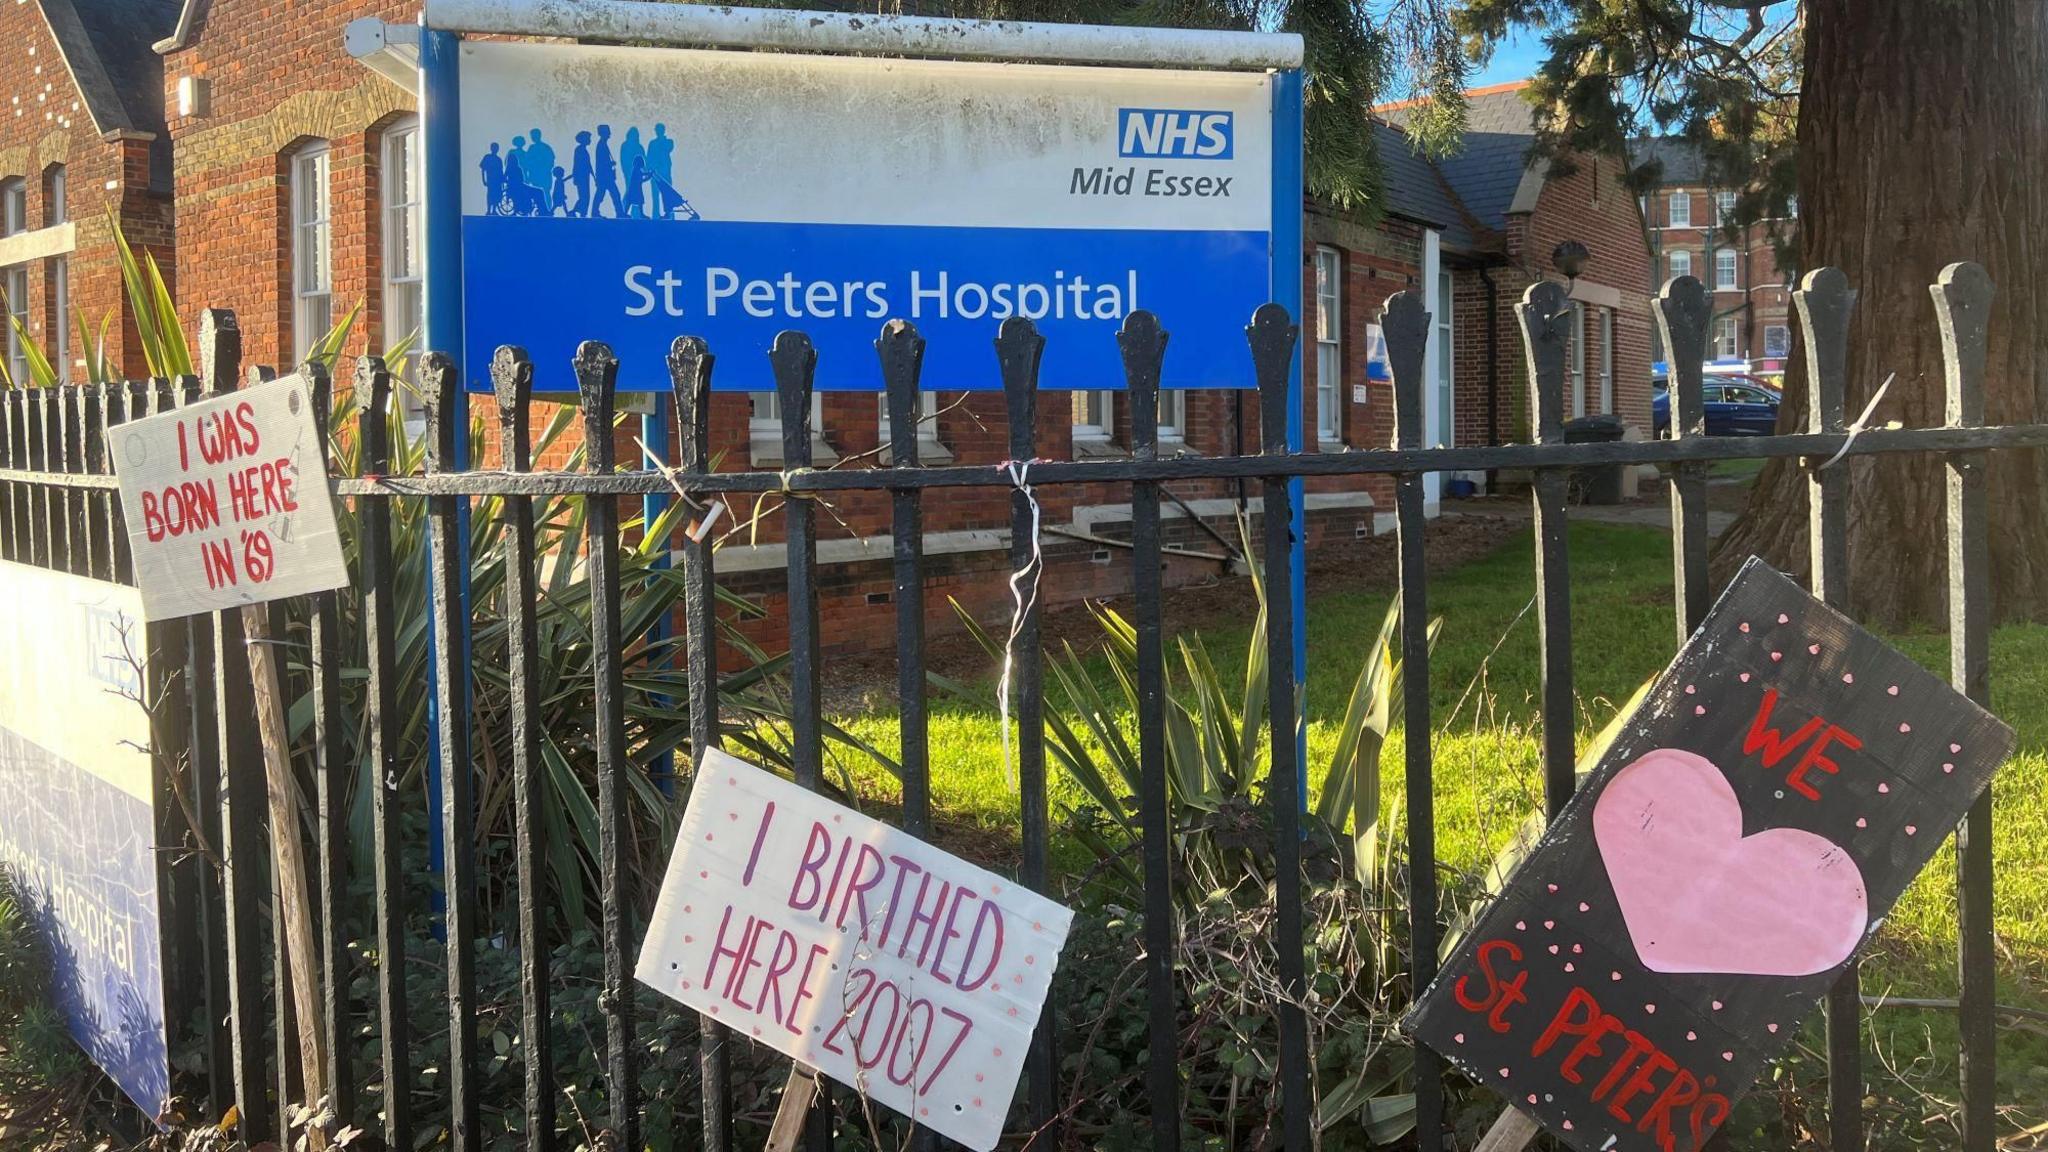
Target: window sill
[
  {"x": 768, "y": 454},
  {"x": 1093, "y": 448},
  {"x": 1331, "y": 447}
]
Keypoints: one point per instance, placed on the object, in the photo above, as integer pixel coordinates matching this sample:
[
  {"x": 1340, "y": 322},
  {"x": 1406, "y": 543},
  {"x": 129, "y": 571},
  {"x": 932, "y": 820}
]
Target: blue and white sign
[
  {"x": 636, "y": 194},
  {"x": 77, "y": 822}
]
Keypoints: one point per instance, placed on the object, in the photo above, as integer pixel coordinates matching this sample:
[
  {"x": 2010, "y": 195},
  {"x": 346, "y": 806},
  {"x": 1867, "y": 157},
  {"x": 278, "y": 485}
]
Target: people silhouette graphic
[
  {"x": 636, "y": 189},
  {"x": 661, "y": 155},
  {"x": 515, "y": 157},
  {"x": 493, "y": 166},
  {"x": 607, "y": 174},
  {"x": 540, "y": 164},
  {"x": 637, "y": 180},
  {"x": 632, "y": 156},
  {"x": 521, "y": 197},
  {"x": 579, "y": 174}
]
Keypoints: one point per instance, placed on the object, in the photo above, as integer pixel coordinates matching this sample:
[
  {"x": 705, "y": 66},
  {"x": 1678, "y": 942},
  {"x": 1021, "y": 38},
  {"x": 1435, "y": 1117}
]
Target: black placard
[{"x": 1779, "y": 786}]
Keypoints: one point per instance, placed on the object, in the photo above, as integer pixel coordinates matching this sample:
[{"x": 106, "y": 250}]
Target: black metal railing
[{"x": 58, "y": 509}]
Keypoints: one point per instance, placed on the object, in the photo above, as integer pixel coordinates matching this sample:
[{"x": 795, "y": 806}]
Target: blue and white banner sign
[
  {"x": 634, "y": 195},
  {"x": 77, "y": 820}
]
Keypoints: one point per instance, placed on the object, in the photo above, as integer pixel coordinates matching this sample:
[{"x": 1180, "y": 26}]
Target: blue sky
[{"x": 1515, "y": 58}]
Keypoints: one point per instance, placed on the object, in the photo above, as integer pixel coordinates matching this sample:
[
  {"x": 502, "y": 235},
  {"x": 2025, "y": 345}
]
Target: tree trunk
[{"x": 1923, "y": 140}]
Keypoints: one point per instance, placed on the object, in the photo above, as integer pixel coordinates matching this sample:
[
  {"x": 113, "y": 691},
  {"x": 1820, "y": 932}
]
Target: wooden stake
[
  {"x": 295, "y": 900},
  {"x": 798, "y": 1093},
  {"x": 1512, "y": 1132}
]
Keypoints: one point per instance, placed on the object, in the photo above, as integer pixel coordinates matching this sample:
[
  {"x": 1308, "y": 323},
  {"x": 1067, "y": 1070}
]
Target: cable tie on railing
[
  {"x": 1856, "y": 429},
  {"x": 1019, "y": 472},
  {"x": 790, "y": 493}
]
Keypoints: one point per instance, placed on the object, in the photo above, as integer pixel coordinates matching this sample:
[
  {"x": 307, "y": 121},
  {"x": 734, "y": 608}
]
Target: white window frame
[
  {"x": 1678, "y": 209},
  {"x": 1724, "y": 208},
  {"x": 927, "y": 417},
  {"x": 57, "y": 210},
  {"x": 1173, "y": 415},
  {"x": 1329, "y": 347},
  {"x": 312, "y": 220},
  {"x": 401, "y": 211},
  {"x": 1727, "y": 270},
  {"x": 765, "y": 421},
  {"x": 14, "y": 220},
  {"x": 1727, "y": 338},
  {"x": 1783, "y": 344},
  {"x": 1681, "y": 262},
  {"x": 56, "y": 199},
  {"x": 1094, "y": 415},
  {"x": 1446, "y": 358},
  {"x": 1606, "y": 360},
  {"x": 1575, "y": 360},
  {"x": 59, "y": 272}
]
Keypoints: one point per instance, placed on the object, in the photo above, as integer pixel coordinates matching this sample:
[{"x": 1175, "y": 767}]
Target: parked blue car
[{"x": 1737, "y": 404}]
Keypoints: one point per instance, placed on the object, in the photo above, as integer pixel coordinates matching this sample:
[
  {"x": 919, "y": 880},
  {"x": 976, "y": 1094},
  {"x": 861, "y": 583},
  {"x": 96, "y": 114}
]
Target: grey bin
[{"x": 1595, "y": 483}]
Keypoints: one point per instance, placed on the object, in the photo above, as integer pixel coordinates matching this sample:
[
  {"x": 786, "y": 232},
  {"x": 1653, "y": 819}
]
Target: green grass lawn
[{"x": 1484, "y": 686}]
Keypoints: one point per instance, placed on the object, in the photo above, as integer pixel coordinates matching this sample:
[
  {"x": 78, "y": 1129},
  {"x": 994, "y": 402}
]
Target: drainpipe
[{"x": 1492, "y": 366}]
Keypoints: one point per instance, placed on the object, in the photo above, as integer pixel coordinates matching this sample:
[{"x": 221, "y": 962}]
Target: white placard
[
  {"x": 227, "y": 503},
  {"x": 895, "y": 968}
]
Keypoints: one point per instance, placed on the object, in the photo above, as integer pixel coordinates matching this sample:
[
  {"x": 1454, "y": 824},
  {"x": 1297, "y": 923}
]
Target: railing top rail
[{"x": 1370, "y": 461}]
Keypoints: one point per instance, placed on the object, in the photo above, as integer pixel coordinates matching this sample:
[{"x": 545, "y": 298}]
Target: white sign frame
[
  {"x": 757, "y": 858},
  {"x": 227, "y": 502}
]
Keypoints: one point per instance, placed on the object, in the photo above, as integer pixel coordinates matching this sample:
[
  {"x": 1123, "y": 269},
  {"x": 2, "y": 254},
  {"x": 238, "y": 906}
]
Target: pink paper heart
[
  {"x": 1782, "y": 618},
  {"x": 1699, "y": 896},
  {"x": 1813, "y": 649},
  {"x": 1745, "y": 625},
  {"x": 1955, "y": 748},
  {"x": 1744, "y": 677},
  {"x": 1892, "y": 691},
  {"x": 1776, "y": 656},
  {"x": 1905, "y": 727}
]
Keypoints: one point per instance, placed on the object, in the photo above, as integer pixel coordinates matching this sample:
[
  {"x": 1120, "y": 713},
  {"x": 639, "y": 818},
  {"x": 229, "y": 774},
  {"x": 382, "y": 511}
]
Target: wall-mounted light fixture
[{"x": 195, "y": 96}]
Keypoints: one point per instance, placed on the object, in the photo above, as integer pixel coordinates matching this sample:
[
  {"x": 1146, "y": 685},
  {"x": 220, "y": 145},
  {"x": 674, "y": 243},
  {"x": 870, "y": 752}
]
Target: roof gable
[
  {"x": 1493, "y": 174},
  {"x": 106, "y": 45}
]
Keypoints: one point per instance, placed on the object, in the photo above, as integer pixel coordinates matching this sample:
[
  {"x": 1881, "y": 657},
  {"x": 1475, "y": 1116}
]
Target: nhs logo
[{"x": 1173, "y": 134}]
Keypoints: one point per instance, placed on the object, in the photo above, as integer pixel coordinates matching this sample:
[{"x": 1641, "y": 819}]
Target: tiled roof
[
  {"x": 1681, "y": 161},
  {"x": 1417, "y": 191},
  {"x": 1500, "y": 128},
  {"x": 107, "y": 47}
]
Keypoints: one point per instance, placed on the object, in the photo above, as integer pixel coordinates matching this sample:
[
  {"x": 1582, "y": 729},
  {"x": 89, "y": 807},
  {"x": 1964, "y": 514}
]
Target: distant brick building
[
  {"x": 1691, "y": 233},
  {"x": 1504, "y": 211},
  {"x": 82, "y": 143}
]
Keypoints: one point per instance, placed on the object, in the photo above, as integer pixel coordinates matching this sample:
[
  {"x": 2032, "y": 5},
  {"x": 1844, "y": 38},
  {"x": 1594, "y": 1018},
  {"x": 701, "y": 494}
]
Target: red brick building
[
  {"x": 1693, "y": 232},
  {"x": 1505, "y": 211},
  {"x": 82, "y": 143}
]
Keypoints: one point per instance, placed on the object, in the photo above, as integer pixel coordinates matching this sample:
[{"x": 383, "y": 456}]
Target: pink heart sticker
[
  {"x": 1744, "y": 677},
  {"x": 1892, "y": 691},
  {"x": 1813, "y": 649},
  {"x": 1776, "y": 656},
  {"x": 1905, "y": 727},
  {"x": 1784, "y": 619},
  {"x": 1699, "y": 896},
  {"x": 1955, "y": 748}
]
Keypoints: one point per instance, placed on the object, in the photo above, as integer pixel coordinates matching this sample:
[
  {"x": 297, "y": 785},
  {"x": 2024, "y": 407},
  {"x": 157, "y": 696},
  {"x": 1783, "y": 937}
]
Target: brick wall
[
  {"x": 43, "y": 125},
  {"x": 1592, "y": 206},
  {"x": 280, "y": 82}
]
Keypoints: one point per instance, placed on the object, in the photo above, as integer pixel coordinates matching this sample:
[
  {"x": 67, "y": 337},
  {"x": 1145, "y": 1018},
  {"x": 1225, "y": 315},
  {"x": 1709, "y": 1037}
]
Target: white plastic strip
[{"x": 700, "y": 25}]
